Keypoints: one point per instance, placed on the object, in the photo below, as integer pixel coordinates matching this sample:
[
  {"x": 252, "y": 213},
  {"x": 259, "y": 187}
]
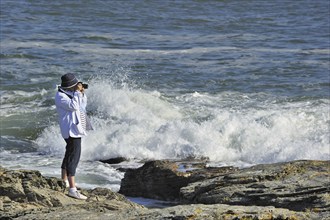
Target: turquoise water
[{"x": 239, "y": 82}]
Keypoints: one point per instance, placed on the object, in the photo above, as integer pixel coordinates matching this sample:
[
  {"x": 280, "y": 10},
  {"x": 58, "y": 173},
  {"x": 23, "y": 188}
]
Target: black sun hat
[{"x": 68, "y": 81}]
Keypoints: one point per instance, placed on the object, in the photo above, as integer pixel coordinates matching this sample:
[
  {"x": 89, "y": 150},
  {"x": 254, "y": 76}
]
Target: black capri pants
[{"x": 72, "y": 155}]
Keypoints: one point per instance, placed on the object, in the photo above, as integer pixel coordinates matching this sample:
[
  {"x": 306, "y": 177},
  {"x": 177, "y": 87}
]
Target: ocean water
[{"x": 238, "y": 82}]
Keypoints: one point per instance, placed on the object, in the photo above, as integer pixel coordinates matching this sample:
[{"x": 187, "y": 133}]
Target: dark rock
[
  {"x": 155, "y": 179},
  {"x": 164, "y": 179},
  {"x": 298, "y": 185},
  {"x": 114, "y": 160},
  {"x": 210, "y": 172},
  {"x": 42, "y": 197}
]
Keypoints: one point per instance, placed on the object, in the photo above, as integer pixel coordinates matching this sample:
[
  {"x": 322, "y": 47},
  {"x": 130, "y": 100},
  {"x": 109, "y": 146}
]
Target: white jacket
[{"x": 69, "y": 110}]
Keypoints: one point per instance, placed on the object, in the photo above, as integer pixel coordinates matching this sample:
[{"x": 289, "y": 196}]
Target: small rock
[{"x": 114, "y": 160}]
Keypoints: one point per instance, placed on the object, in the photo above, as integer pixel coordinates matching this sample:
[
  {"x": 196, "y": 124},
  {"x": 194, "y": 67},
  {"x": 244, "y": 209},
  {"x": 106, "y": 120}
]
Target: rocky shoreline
[{"x": 290, "y": 190}]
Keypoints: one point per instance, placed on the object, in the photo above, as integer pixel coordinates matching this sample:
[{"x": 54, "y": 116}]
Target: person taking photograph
[{"x": 71, "y": 101}]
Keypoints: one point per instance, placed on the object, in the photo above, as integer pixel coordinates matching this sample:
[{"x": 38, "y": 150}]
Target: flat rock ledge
[
  {"x": 26, "y": 194},
  {"x": 298, "y": 185},
  {"x": 302, "y": 186}
]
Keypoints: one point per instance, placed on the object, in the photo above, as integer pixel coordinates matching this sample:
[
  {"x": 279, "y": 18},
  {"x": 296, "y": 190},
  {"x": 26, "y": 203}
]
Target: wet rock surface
[{"x": 293, "y": 190}]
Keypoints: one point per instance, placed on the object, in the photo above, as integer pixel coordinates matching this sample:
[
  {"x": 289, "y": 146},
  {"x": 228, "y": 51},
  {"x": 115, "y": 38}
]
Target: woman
[{"x": 71, "y": 103}]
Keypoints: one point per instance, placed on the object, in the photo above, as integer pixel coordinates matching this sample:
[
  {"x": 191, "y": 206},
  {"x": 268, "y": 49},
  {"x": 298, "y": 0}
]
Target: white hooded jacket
[{"x": 68, "y": 110}]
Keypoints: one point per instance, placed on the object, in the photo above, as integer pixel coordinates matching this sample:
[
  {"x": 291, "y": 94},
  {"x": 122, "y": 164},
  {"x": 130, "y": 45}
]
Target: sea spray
[{"x": 226, "y": 128}]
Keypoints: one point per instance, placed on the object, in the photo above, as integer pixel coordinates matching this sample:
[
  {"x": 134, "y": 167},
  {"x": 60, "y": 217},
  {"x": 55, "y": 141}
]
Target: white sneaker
[{"x": 77, "y": 195}]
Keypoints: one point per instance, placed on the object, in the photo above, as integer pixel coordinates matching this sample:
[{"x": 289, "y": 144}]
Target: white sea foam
[{"x": 228, "y": 128}]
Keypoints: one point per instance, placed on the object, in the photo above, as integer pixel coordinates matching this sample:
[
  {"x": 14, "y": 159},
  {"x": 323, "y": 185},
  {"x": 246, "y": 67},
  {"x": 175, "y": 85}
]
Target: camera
[{"x": 84, "y": 85}]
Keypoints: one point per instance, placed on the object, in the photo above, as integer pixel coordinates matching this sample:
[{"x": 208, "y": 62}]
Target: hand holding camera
[{"x": 81, "y": 87}]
